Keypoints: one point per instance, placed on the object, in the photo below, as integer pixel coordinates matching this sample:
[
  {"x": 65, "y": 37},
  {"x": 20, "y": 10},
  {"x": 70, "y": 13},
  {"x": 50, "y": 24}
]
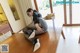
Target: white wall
[
  {"x": 33, "y": 5},
  {"x": 25, "y": 4},
  {"x": 16, "y": 25}
]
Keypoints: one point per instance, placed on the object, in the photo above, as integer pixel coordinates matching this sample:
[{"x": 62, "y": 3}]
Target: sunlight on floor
[{"x": 70, "y": 44}]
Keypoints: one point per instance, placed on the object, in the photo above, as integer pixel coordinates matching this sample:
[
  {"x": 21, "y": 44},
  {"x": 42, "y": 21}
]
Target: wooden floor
[
  {"x": 71, "y": 43},
  {"x": 18, "y": 43},
  {"x": 51, "y": 42}
]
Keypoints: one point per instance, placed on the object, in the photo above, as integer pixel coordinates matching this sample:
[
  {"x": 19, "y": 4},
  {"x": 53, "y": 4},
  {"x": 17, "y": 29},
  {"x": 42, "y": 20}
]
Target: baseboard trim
[{"x": 71, "y": 24}]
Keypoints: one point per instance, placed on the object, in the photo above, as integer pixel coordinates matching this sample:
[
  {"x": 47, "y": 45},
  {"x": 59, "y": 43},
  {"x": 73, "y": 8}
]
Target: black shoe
[{"x": 33, "y": 40}]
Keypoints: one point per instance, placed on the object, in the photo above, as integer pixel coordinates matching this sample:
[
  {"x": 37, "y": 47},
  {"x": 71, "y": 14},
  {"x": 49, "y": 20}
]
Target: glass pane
[
  {"x": 67, "y": 12},
  {"x": 76, "y": 12},
  {"x": 58, "y": 11},
  {"x": 44, "y": 7}
]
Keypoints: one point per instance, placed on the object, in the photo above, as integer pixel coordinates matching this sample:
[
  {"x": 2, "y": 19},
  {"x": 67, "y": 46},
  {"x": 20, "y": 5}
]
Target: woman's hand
[{"x": 38, "y": 28}]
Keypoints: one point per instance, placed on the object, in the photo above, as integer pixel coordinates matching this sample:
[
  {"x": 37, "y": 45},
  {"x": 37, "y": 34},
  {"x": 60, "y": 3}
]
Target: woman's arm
[{"x": 38, "y": 27}]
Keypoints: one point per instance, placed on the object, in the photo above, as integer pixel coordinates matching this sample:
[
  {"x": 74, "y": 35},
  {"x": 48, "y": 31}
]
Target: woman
[{"x": 38, "y": 28}]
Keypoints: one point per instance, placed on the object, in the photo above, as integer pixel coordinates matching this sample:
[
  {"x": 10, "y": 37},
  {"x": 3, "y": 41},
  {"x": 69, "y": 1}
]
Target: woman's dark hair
[{"x": 29, "y": 10}]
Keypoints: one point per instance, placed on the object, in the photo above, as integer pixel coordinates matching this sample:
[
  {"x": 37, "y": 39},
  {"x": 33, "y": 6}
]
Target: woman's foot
[{"x": 37, "y": 45}]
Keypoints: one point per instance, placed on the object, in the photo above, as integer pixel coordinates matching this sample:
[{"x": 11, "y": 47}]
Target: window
[
  {"x": 43, "y": 7},
  {"x": 59, "y": 12}
]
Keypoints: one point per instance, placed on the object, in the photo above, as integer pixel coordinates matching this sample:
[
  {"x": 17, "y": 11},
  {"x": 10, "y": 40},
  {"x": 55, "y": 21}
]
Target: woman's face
[{"x": 30, "y": 13}]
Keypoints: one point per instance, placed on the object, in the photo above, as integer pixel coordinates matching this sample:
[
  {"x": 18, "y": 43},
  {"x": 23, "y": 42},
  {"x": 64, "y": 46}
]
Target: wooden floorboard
[{"x": 18, "y": 44}]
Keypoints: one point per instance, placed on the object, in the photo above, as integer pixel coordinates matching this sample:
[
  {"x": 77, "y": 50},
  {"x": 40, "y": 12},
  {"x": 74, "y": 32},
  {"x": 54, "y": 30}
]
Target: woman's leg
[
  {"x": 43, "y": 25},
  {"x": 30, "y": 35}
]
